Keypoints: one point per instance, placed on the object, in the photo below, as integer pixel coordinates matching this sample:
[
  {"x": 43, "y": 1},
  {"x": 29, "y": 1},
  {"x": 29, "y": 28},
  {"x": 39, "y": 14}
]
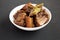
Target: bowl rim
[{"x": 25, "y": 28}]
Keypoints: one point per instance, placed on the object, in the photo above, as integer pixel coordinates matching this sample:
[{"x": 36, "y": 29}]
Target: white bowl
[{"x": 25, "y": 28}]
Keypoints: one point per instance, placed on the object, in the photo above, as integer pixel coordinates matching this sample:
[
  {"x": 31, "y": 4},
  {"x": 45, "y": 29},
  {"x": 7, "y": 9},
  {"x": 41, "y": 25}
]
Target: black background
[{"x": 9, "y": 32}]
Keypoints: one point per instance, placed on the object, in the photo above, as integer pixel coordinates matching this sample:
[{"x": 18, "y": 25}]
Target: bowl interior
[{"x": 24, "y": 28}]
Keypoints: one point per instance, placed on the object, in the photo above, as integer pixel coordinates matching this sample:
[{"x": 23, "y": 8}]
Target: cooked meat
[
  {"x": 27, "y": 8},
  {"x": 15, "y": 16},
  {"x": 29, "y": 22},
  {"x": 21, "y": 17},
  {"x": 41, "y": 20},
  {"x": 18, "y": 12},
  {"x": 28, "y": 5},
  {"x": 21, "y": 23}
]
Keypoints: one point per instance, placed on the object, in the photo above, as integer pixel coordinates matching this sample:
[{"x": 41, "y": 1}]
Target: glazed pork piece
[
  {"x": 18, "y": 12},
  {"x": 41, "y": 18},
  {"x": 41, "y": 21},
  {"x": 20, "y": 19},
  {"x": 27, "y": 8},
  {"x": 21, "y": 23},
  {"x": 29, "y": 22}
]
